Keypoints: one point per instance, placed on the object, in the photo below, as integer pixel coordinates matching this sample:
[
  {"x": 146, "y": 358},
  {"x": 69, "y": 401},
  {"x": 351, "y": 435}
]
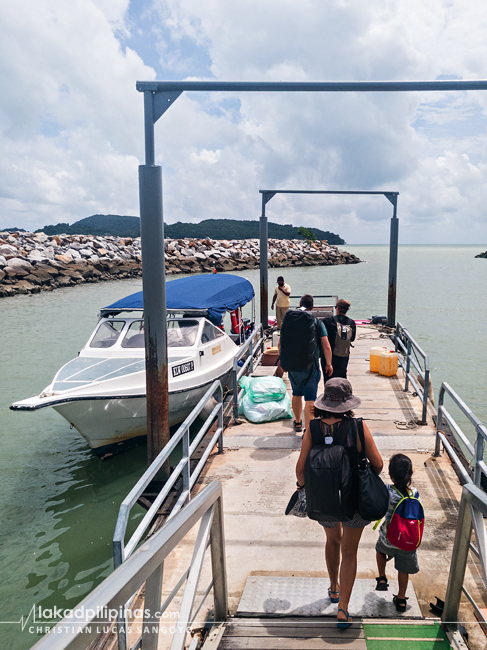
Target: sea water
[{"x": 59, "y": 503}]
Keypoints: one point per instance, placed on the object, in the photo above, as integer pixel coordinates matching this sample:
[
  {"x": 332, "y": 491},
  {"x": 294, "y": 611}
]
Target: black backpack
[
  {"x": 298, "y": 341},
  {"x": 328, "y": 476}
]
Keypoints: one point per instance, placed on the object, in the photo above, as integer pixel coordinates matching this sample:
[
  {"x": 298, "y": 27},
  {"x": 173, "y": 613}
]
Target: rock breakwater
[{"x": 33, "y": 262}]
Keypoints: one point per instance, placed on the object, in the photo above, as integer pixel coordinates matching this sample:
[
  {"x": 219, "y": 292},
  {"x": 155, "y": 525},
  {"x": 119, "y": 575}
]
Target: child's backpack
[
  {"x": 298, "y": 341},
  {"x": 405, "y": 530},
  {"x": 328, "y": 478}
]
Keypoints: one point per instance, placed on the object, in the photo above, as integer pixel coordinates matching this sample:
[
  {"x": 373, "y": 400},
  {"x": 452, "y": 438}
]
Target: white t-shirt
[{"x": 282, "y": 299}]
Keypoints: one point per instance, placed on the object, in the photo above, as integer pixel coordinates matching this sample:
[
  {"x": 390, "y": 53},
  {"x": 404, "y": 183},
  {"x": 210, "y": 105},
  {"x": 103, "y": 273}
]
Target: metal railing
[
  {"x": 122, "y": 550},
  {"x": 473, "y": 504},
  {"x": 253, "y": 351},
  {"x": 407, "y": 350},
  {"x": 476, "y": 451},
  {"x": 97, "y": 611},
  {"x": 332, "y": 304}
]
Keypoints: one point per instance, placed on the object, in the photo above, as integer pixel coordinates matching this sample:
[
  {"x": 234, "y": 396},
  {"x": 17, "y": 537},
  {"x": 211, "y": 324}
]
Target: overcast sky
[{"x": 72, "y": 121}]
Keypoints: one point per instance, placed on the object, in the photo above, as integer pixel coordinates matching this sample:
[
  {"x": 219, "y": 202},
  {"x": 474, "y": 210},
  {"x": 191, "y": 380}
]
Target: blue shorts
[{"x": 305, "y": 384}]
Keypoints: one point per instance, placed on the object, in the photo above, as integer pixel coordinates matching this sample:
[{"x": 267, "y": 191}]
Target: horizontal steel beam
[
  {"x": 312, "y": 86},
  {"x": 326, "y": 192}
]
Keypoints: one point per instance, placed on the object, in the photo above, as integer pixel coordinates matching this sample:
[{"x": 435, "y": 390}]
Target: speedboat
[{"x": 102, "y": 392}]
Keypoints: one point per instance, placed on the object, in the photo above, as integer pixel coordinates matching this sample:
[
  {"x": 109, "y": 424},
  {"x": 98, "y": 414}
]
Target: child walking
[{"x": 405, "y": 562}]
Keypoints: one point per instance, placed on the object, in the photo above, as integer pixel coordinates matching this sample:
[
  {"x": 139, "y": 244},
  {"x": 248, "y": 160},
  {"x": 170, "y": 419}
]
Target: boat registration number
[
  {"x": 183, "y": 368},
  {"x": 216, "y": 349}
]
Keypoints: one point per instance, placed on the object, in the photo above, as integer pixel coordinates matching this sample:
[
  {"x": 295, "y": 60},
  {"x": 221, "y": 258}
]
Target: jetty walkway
[{"x": 277, "y": 580}]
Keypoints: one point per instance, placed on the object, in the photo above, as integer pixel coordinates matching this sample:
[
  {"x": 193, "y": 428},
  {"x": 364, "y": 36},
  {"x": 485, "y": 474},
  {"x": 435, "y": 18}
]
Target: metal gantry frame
[
  {"x": 158, "y": 97},
  {"x": 267, "y": 195}
]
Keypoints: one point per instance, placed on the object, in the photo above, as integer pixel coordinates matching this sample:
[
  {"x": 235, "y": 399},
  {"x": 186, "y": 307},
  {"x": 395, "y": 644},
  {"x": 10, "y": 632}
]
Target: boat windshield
[
  {"x": 84, "y": 370},
  {"x": 210, "y": 333},
  {"x": 135, "y": 335},
  {"x": 181, "y": 333},
  {"x": 107, "y": 334}
]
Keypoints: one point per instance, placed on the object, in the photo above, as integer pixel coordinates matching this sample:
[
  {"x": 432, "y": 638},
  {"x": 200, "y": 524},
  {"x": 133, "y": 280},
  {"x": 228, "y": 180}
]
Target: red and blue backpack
[{"x": 405, "y": 530}]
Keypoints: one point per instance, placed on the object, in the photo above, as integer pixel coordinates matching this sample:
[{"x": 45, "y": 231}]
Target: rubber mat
[{"x": 293, "y": 596}]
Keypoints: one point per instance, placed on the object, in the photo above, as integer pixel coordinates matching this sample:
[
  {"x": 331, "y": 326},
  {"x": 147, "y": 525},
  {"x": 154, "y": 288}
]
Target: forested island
[{"x": 218, "y": 229}]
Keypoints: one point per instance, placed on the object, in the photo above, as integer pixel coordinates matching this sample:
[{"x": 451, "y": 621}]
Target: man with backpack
[
  {"x": 302, "y": 338},
  {"x": 341, "y": 333}
]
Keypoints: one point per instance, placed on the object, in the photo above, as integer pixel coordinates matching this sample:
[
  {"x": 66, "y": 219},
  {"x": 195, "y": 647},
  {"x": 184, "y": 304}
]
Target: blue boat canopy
[{"x": 213, "y": 294}]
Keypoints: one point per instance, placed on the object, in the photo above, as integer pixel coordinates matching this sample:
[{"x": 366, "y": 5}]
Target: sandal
[
  {"x": 344, "y": 624},
  {"x": 400, "y": 603},
  {"x": 336, "y": 598},
  {"x": 382, "y": 584},
  {"x": 298, "y": 426}
]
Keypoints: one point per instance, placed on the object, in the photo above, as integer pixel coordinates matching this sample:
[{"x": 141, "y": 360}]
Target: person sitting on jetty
[
  {"x": 333, "y": 425},
  {"x": 302, "y": 337},
  {"x": 281, "y": 298},
  {"x": 341, "y": 333}
]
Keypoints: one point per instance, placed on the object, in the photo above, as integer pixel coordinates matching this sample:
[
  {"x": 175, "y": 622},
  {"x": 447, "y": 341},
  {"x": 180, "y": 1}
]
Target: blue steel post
[
  {"x": 391, "y": 298},
  {"x": 154, "y": 287},
  {"x": 264, "y": 276}
]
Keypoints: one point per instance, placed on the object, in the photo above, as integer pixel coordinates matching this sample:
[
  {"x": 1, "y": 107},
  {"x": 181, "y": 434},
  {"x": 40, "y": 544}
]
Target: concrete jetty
[{"x": 275, "y": 563}]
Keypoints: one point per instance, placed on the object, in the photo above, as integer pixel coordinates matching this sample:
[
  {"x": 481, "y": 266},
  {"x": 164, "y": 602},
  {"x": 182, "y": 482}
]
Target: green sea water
[{"x": 59, "y": 503}]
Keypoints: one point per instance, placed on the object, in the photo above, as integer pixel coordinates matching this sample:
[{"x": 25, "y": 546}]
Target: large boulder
[{"x": 20, "y": 263}]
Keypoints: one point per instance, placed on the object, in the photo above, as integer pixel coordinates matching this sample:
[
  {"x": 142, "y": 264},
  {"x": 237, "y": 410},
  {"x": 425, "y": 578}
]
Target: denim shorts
[
  {"x": 404, "y": 561},
  {"x": 305, "y": 383}
]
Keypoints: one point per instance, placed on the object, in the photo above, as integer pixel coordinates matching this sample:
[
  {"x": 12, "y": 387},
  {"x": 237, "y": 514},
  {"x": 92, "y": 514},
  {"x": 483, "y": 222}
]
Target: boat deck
[{"x": 279, "y": 560}]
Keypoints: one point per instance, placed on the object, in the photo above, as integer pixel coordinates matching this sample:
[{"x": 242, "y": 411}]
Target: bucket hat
[{"x": 338, "y": 397}]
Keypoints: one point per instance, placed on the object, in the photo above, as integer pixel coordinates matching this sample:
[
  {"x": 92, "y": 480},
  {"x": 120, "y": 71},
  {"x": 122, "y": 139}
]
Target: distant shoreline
[{"x": 34, "y": 262}]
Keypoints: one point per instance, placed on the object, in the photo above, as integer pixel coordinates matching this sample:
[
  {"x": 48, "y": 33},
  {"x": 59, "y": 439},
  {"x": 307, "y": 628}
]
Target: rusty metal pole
[
  {"x": 391, "y": 298},
  {"x": 264, "y": 276},
  {"x": 154, "y": 288}
]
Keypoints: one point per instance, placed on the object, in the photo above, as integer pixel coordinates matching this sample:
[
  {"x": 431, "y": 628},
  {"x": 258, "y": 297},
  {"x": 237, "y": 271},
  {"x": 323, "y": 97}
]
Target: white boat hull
[{"x": 112, "y": 425}]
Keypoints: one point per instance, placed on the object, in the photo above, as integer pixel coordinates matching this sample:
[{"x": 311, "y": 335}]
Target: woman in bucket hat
[{"x": 332, "y": 408}]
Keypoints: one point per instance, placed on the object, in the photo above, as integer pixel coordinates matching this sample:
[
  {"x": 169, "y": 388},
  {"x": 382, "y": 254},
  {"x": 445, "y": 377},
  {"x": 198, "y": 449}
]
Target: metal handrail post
[
  {"x": 235, "y": 389},
  {"x": 479, "y": 456},
  {"x": 251, "y": 352},
  {"x": 152, "y": 606},
  {"x": 220, "y": 421},
  {"x": 458, "y": 562},
  {"x": 439, "y": 414},
  {"x": 396, "y": 338},
  {"x": 187, "y": 467},
  {"x": 408, "y": 364},
  {"x": 425, "y": 394},
  {"x": 218, "y": 564}
]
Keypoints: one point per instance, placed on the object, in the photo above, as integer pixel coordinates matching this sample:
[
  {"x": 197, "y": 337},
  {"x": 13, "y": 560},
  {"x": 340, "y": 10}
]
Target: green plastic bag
[
  {"x": 265, "y": 411},
  {"x": 264, "y": 389}
]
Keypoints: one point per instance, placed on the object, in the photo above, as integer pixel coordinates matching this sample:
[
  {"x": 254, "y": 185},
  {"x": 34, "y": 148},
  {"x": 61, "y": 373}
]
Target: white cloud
[
  {"x": 72, "y": 122},
  {"x": 70, "y": 114}
]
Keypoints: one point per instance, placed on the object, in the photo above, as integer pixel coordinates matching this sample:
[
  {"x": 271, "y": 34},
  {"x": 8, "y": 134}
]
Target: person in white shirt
[{"x": 281, "y": 299}]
